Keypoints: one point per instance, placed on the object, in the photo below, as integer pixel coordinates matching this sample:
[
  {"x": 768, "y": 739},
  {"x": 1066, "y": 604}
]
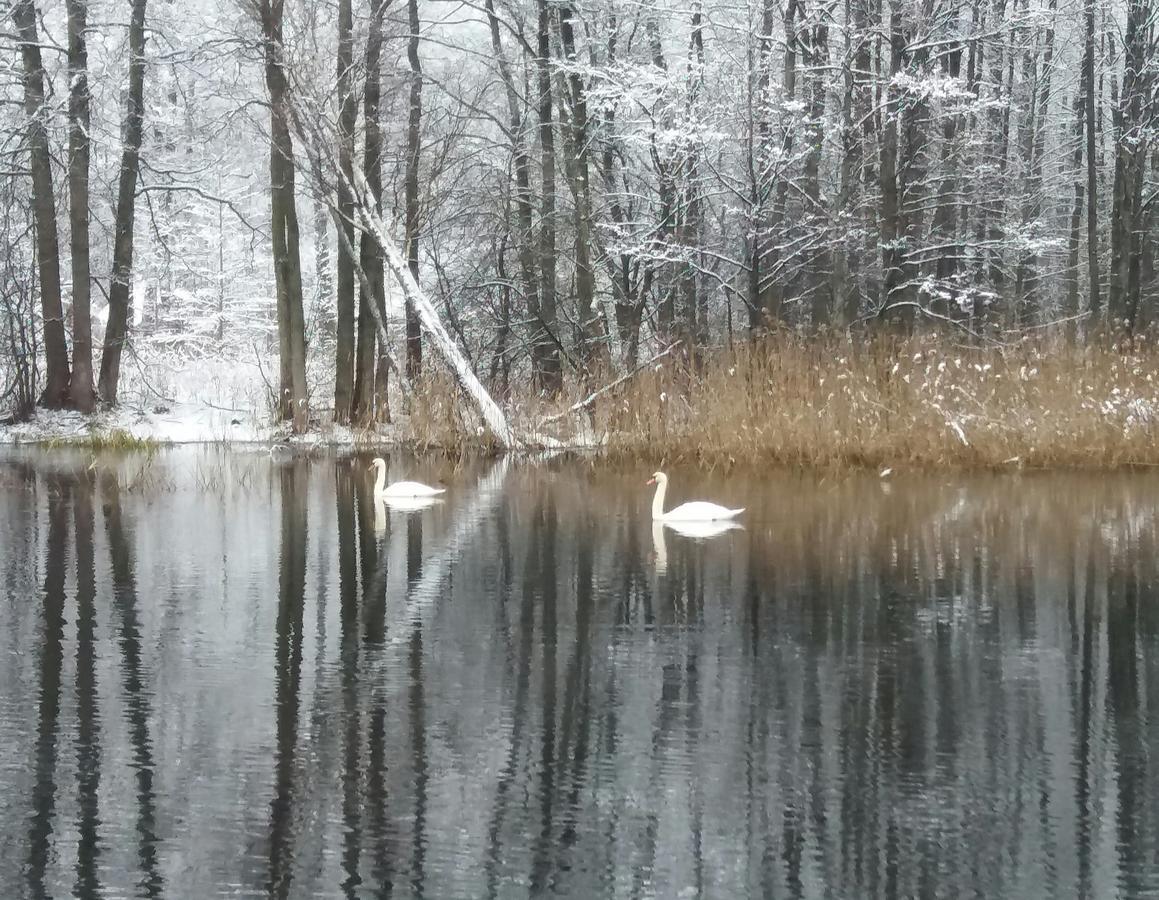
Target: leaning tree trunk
[
  {"x": 120, "y": 285},
  {"x": 414, "y": 345},
  {"x": 292, "y": 397},
  {"x": 347, "y": 120},
  {"x": 79, "y": 120},
  {"x": 56, "y": 388}
]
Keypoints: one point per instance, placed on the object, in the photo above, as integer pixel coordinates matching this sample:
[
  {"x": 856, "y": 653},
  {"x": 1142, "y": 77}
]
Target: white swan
[
  {"x": 696, "y": 511},
  {"x": 399, "y": 488}
]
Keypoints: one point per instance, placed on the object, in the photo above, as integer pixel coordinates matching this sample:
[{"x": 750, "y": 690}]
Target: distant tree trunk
[
  {"x": 121, "y": 283},
  {"x": 1027, "y": 281},
  {"x": 690, "y": 206},
  {"x": 759, "y": 158},
  {"x": 892, "y": 227},
  {"x": 369, "y": 395},
  {"x": 776, "y": 291},
  {"x": 1073, "y": 304},
  {"x": 524, "y": 213},
  {"x": 545, "y": 350},
  {"x": 325, "y": 285},
  {"x": 579, "y": 173},
  {"x": 1131, "y": 132},
  {"x": 292, "y": 397},
  {"x": 819, "y": 265},
  {"x": 414, "y": 334},
  {"x": 347, "y": 121},
  {"x": 1093, "y": 300},
  {"x": 946, "y": 212},
  {"x": 56, "y": 387},
  {"x": 79, "y": 122}
]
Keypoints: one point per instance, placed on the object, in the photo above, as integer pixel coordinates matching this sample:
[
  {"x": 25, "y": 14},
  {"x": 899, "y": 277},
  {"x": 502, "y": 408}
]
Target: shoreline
[{"x": 917, "y": 403}]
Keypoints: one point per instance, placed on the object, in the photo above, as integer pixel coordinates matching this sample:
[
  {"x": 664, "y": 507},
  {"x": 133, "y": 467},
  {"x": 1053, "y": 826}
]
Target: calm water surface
[{"x": 222, "y": 675}]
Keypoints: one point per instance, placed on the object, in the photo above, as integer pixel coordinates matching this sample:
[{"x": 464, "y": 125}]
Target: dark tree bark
[
  {"x": 121, "y": 283},
  {"x": 1073, "y": 303},
  {"x": 1093, "y": 299},
  {"x": 892, "y": 225},
  {"x": 819, "y": 264},
  {"x": 292, "y": 398},
  {"x": 690, "y": 214},
  {"x": 524, "y": 213},
  {"x": 367, "y": 389},
  {"x": 1131, "y": 150},
  {"x": 79, "y": 121},
  {"x": 544, "y": 347},
  {"x": 758, "y": 161},
  {"x": 775, "y": 295},
  {"x": 1034, "y": 151},
  {"x": 57, "y": 376},
  {"x": 347, "y": 121},
  {"x": 414, "y": 346},
  {"x": 578, "y": 175}
]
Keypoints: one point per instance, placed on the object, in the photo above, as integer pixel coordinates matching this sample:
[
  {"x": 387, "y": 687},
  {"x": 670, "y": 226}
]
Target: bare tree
[{"x": 57, "y": 376}]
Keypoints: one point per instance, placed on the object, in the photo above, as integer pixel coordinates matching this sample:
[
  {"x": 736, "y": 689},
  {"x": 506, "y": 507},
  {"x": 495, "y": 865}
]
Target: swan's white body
[
  {"x": 695, "y": 511},
  {"x": 410, "y": 504},
  {"x": 399, "y": 489}
]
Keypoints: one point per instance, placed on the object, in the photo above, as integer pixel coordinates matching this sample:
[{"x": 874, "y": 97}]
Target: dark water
[{"x": 225, "y": 676}]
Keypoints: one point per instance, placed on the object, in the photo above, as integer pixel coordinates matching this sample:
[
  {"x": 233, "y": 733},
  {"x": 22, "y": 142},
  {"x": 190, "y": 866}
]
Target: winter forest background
[{"x": 574, "y": 184}]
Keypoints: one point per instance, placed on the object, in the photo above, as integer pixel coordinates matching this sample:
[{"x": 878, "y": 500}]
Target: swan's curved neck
[
  {"x": 380, "y": 480},
  {"x": 658, "y": 499}
]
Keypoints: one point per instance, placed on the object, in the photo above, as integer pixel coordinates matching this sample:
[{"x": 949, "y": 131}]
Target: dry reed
[{"x": 861, "y": 402}]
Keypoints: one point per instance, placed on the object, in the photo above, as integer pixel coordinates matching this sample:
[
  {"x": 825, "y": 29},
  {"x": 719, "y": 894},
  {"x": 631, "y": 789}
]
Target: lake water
[{"x": 222, "y": 675}]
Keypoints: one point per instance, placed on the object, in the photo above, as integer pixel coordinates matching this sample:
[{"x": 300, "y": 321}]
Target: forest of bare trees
[{"x": 571, "y": 185}]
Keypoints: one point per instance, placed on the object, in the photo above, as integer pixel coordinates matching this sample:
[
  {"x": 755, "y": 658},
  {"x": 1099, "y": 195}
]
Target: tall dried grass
[{"x": 862, "y": 401}]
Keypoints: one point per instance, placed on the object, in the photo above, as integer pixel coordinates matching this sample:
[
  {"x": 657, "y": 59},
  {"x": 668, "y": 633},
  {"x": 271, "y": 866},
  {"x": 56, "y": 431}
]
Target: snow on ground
[
  {"x": 190, "y": 401},
  {"x": 181, "y": 423}
]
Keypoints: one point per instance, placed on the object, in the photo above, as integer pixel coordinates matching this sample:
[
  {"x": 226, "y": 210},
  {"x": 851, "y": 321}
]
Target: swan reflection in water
[
  {"x": 399, "y": 504},
  {"x": 698, "y": 531}
]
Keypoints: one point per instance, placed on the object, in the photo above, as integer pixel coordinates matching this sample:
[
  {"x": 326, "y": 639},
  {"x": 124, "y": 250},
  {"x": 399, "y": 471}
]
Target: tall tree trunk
[
  {"x": 414, "y": 346},
  {"x": 1039, "y": 120},
  {"x": 1131, "y": 138},
  {"x": 545, "y": 349},
  {"x": 79, "y": 121},
  {"x": 819, "y": 264},
  {"x": 369, "y": 395},
  {"x": 945, "y": 225},
  {"x": 850, "y": 155},
  {"x": 292, "y": 398},
  {"x": 347, "y": 121},
  {"x": 121, "y": 283},
  {"x": 759, "y": 159},
  {"x": 579, "y": 173},
  {"x": 892, "y": 223},
  {"x": 1073, "y": 303},
  {"x": 56, "y": 387},
  {"x": 524, "y": 214},
  {"x": 776, "y": 292},
  {"x": 1093, "y": 300},
  {"x": 690, "y": 207}
]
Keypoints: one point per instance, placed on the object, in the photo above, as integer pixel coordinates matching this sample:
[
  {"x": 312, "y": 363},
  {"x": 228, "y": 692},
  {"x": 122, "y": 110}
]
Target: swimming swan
[
  {"x": 399, "y": 488},
  {"x": 696, "y": 511}
]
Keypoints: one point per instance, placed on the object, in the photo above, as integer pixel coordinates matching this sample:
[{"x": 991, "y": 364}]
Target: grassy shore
[{"x": 927, "y": 401}]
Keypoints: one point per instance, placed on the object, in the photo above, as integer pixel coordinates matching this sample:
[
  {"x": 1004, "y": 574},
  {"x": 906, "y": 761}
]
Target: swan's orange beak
[{"x": 650, "y": 481}]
